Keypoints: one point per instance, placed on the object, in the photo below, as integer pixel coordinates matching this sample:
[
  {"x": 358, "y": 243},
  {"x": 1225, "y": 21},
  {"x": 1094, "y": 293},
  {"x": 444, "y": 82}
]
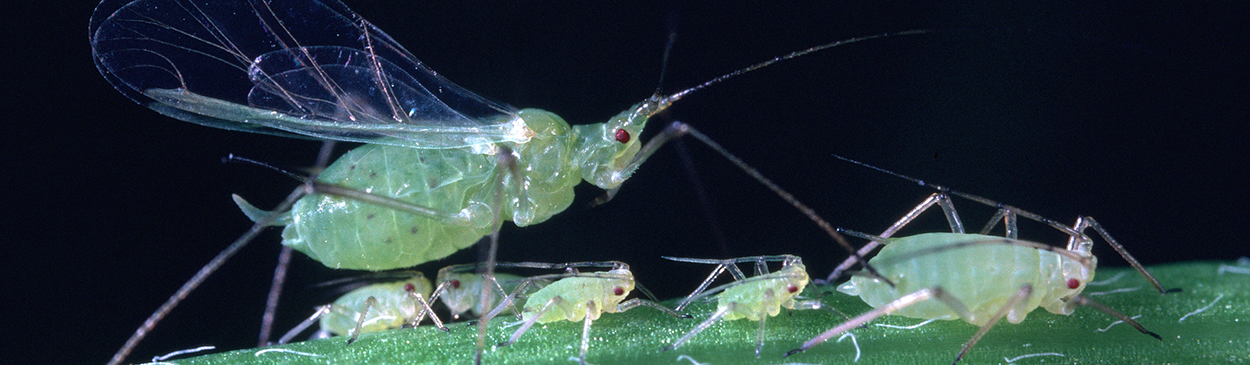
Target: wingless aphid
[
  {"x": 373, "y": 308},
  {"x": 755, "y": 298},
  {"x": 976, "y": 277},
  {"x": 424, "y": 184},
  {"x": 459, "y": 287},
  {"x": 577, "y": 297}
]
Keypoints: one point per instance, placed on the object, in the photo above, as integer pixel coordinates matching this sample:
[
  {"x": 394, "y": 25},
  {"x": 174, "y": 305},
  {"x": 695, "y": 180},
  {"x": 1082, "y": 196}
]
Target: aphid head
[
  {"x": 796, "y": 275},
  {"x": 457, "y": 295},
  {"x": 605, "y": 153},
  {"x": 622, "y": 283},
  {"x": 1068, "y": 281}
]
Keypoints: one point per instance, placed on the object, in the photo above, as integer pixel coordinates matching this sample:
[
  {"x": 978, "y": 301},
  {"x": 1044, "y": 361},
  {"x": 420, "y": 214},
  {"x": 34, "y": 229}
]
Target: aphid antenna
[
  {"x": 1009, "y": 214},
  {"x": 372, "y": 276},
  {"x": 737, "y": 260},
  {"x": 657, "y": 103},
  {"x": 596, "y": 274},
  {"x": 1082, "y": 259},
  {"x": 565, "y": 265},
  {"x": 1004, "y": 211},
  {"x": 463, "y": 268},
  {"x": 678, "y": 95},
  {"x": 668, "y": 50},
  {"x": 231, "y": 158}
]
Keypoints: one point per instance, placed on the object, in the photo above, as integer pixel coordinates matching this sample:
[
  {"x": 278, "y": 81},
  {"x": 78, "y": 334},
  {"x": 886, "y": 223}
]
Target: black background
[{"x": 1132, "y": 115}]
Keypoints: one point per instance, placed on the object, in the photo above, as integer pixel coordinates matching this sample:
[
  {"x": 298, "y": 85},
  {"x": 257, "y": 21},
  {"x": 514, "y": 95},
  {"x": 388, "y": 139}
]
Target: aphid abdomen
[
  {"x": 784, "y": 284},
  {"x": 466, "y": 297},
  {"x": 394, "y": 307},
  {"x": 572, "y": 307},
  {"x": 983, "y": 277},
  {"x": 347, "y": 234},
  {"x": 606, "y": 289}
]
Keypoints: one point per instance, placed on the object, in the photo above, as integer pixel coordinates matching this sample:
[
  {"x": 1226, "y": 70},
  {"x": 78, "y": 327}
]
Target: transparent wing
[{"x": 296, "y": 68}]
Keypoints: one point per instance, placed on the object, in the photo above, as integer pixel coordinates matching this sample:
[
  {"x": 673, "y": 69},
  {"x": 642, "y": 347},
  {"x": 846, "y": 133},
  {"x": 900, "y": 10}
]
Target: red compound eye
[
  {"x": 1073, "y": 283},
  {"x": 455, "y": 284},
  {"x": 622, "y": 135},
  {"x": 792, "y": 288},
  {"x": 408, "y": 287},
  {"x": 618, "y": 291}
]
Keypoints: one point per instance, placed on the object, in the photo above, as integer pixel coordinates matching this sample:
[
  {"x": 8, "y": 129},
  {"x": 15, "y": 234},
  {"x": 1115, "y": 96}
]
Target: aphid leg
[
  {"x": 902, "y": 302},
  {"x": 942, "y": 200},
  {"x": 360, "y": 319},
  {"x": 440, "y": 290},
  {"x": 506, "y": 159},
  {"x": 417, "y": 300},
  {"x": 702, "y": 326},
  {"x": 275, "y": 293},
  {"x": 509, "y": 300},
  {"x": 590, "y": 311},
  {"x": 205, "y": 272},
  {"x": 1088, "y": 222},
  {"x": 759, "y": 334},
  {"x": 1085, "y": 301},
  {"x": 284, "y": 258},
  {"x": 303, "y": 326},
  {"x": 499, "y": 288},
  {"x": 630, "y": 304},
  {"x": 1025, "y": 291},
  {"x": 722, "y": 266},
  {"x": 525, "y": 326},
  {"x": 817, "y": 304},
  {"x": 919, "y": 296}
]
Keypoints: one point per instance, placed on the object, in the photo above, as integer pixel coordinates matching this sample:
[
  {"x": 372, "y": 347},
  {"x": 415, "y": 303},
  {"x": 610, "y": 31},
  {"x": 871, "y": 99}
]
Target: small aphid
[
  {"x": 459, "y": 289},
  {"x": 755, "y": 298},
  {"x": 373, "y": 308},
  {"x": 976, "y": 277},
  {"x": 577, "y": 297}
]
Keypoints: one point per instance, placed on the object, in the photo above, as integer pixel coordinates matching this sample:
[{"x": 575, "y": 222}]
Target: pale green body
[
  {"x": 983, "y": 277},
  {"x": 576, "y": 291},
  {"x": 347, "y": 234},
  {"x": 465, "y": 297},
  {"x": 766, "y": 293},
  {"x": 395, "y": 307}
]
